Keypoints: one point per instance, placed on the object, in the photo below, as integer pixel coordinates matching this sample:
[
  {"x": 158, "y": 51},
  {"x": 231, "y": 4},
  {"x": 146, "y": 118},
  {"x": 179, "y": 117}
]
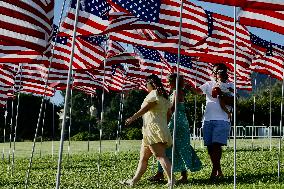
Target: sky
[{"x": 221, "y": 9}]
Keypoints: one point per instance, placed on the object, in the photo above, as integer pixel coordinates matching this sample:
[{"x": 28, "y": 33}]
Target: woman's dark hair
[
  {"x": 172, "y": 78},
  {"x": 221, "y": 69},
  {"x": 156, "y": 83}
]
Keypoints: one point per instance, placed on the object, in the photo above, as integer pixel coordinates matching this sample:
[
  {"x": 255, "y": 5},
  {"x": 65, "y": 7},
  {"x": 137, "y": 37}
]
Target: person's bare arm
[
  {"x": 140, "y": 112},
  {"x": 169, "y": 115}
]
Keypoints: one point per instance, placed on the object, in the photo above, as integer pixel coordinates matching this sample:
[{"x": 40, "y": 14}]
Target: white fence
[{"x": 244, "y": 132}]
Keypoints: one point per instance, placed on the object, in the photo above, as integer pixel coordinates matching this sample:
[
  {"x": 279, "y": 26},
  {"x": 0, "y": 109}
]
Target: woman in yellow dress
[{"x": 156, "y": 134}]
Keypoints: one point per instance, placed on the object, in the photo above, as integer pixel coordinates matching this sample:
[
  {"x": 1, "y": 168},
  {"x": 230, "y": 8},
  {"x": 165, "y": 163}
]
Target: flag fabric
[
  {"x": 87, "y": 81},
  {"x": 30, "y": 80},
  {"x": 88, "y": 52},
  {"x": 254, "y": 4},
  {"x": 152, "y": 62},
  {"x": 26, "y": 23},
  {"x": 196, "y": 73},
  {"x": 269, "y": 58},
  {"x": 92, "y": 18},
  {"x": 7, "y": 81},
  {"x": 117, "y": 54},
  {"x": 12, "y": 53},
  {"x": 221, "y": 45},
  {"x": 121, "y": 80},
  {"x": 266, "y": 19},
  {"x": 164, "y": 14}
]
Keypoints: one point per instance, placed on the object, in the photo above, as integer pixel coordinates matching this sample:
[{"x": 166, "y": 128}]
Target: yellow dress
[{"x": 155, "y": 128}]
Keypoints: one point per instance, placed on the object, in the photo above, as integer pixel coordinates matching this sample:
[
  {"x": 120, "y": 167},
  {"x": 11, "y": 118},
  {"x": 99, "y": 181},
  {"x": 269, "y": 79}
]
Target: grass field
[{"x": 256, "y": 168}]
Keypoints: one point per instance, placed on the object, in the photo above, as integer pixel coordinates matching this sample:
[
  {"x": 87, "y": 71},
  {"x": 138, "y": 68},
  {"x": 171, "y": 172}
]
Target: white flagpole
[
  {"x": 43, "y": 121},
  {"x": 67, "y": 95},
  {"x": 70, "y": 122},
  {"x": 270, "y": 114},
  {"x": 176, "y": 96},
  {"x": 280, "y": 130},
  {"x": 89, "y": 129},
  {"x": 11, "y": 127},
  {"x": 235, "y": 97},
  {"x": 195, "y": 103},
  {"x": 53, "y": 125},
  {"x": 4, "y": 130},
  {"x": 253, "y": 116},
  {"x": 41, "y": 106}
]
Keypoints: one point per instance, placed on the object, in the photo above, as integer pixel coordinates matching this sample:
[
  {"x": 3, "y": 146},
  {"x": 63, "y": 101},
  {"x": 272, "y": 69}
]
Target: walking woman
[
  {"x": 185, "y": 157},
  {"x": 156, "y": 134}
]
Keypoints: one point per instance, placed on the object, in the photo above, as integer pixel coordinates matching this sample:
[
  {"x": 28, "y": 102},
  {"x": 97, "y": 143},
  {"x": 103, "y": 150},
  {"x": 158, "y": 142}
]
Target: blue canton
[
  {"x": 185, "y": 61},
  {"x": 149, "y": 54},
  {"x": 99, "y": 8},
  {"x": 146, "y": 10},
  {"x": 96, "y": 40},
  {"x": 262, "y": 43},
  {"x": 115, "y": 66},
  {"x": 210, "y": 22}
]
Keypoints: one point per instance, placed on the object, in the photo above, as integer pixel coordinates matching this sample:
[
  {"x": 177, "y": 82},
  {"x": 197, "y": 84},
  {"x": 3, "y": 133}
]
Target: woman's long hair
[
  {"x": 156, "y": 83},
  {"x": 172, "y": 78}
]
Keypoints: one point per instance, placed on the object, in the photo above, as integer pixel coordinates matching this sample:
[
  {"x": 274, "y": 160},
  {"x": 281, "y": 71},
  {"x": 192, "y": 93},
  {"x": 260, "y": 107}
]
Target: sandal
[
  {"x": 127, "y": 182},
  {"x": 157, "y": 178},
  {"x": 182, "y": 180}
]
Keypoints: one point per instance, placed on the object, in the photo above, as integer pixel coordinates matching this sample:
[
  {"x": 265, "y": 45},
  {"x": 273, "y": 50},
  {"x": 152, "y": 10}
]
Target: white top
[
  {"x": 213, "y": 110},
  {"x": 224, "y": 87}
]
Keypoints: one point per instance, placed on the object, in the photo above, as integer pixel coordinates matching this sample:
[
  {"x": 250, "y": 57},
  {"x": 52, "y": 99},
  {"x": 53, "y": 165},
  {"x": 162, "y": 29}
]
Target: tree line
[{"x": 83, "y": 126}]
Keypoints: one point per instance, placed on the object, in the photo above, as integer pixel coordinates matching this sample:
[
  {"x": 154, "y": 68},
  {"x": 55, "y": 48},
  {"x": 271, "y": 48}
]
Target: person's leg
[
  {"x": 159, "y": 176},
  {"x": 216, "y": 153},
  {"x": 220, "y": 136},
  {"x": 158, "y": 151},
  {"x": 145, "y": 154},
  {"x": 207, "y": 137},
  {"x": 183, "y": 178}
]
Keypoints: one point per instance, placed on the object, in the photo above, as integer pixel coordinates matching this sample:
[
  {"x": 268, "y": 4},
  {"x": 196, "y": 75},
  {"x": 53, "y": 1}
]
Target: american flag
[
  {"x": 27, "y": 23},
  {"x": 185, "y": 65},
  {"x": 89, "y": 52},
  {"x": 87, "y": 81},
  {"x": 30, "y": 80},
  {"x": 152, "y": 62},
  {"x": 221, "y": 45},
  {"x": 7, "y": 81},
  {"x": 269, "y": 58},
  {"x": 255, "y": 4},
  {"x": 118, "y": 79},
  {"x": 266, "y": 19},
  {"x": 164, "y": 14},
  {"x": 92, "y": 18},
  {"x": 116, "y": 54},
  {"x": 12, "y": 53}
]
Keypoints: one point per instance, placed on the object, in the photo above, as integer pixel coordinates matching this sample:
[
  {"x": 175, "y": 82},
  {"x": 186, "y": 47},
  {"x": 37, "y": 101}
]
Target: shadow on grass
[{"x": 241, "y": 179}]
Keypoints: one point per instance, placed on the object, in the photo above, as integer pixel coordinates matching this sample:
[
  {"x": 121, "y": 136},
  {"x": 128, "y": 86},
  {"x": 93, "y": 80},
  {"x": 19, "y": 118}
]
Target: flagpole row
[
  {"x": 280, "y": 130},
  {"x": 253, "y": 116},
  {"x": 43, "y": 121},
  {"x": 4, "y": 130},
  {"x": 70, "y": 121},
  {"x": 270, "y": 114}
]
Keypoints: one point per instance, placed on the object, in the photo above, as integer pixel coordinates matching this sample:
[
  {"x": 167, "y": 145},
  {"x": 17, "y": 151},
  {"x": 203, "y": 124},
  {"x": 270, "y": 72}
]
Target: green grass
[{"x": 255, "y": 168}]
